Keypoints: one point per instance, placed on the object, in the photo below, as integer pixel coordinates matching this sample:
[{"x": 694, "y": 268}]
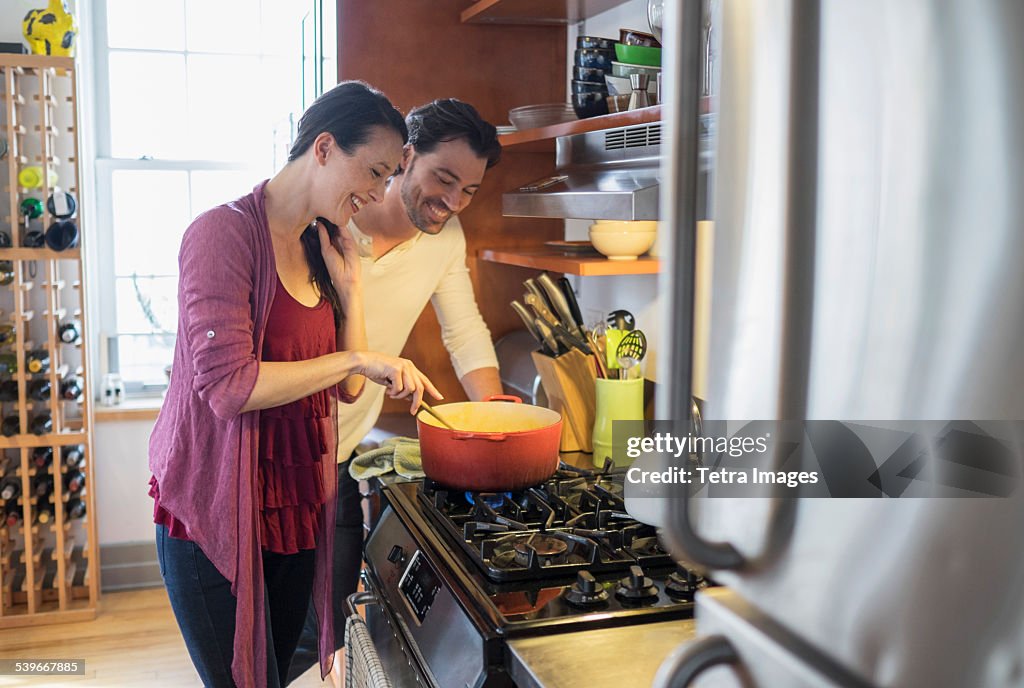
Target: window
[{"x": 196, "y": 102}]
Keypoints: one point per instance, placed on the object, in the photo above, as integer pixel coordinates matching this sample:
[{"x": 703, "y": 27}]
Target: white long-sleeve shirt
[{"x": 396, "y": 288}]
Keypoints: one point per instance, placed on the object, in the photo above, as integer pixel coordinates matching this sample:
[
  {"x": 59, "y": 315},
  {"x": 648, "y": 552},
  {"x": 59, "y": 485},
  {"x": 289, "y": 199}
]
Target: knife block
[{"x": 569, "y": 383}]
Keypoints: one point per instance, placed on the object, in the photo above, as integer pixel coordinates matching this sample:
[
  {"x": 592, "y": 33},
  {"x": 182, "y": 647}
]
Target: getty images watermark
[{"x": 820, "y": 458}]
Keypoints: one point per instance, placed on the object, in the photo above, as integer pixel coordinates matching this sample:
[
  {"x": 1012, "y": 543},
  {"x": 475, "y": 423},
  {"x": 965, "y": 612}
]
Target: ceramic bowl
[
  {"x": 589, "y": 87},
  {"x": 593, "y": 74},
  {"x": 624, "y": 69},
  {"x": 593, "y": 57},
  {"x": 638, "y": 54},
  {"x": 595, "y": 42},
  {"x": 606, "y": 226},
  {"x": 622, "y": 245},
  {"x": 589, "y": 104}
]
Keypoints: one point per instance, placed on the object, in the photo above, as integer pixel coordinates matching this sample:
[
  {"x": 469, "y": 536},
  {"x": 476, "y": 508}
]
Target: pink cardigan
[{"x": 203, "y": 450}]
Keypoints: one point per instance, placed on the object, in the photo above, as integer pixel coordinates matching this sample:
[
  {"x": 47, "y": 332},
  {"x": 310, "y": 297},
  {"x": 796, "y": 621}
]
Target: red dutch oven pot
[{"x": 497, "y": 446}]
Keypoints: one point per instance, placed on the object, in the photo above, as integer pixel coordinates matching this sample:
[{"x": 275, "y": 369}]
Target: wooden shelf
[
  {"x": 542, "y": 138},
  {"x": 587, "y": 265},
  {"x": 556, "y": 12}
]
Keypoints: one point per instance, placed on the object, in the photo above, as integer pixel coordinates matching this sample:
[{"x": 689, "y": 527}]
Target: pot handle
[
  {"x": 504, "y": 397},
  {"x": 492, "y": 436}
]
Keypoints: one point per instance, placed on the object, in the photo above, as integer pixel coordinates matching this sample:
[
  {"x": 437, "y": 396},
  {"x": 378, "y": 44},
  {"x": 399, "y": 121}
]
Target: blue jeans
[
  {"x": 205, "y": 608},
  {"x": 348, "y": 559}
]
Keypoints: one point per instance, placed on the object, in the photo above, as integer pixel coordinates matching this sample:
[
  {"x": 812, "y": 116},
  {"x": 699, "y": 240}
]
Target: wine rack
[{"x": 49, "y": 567}]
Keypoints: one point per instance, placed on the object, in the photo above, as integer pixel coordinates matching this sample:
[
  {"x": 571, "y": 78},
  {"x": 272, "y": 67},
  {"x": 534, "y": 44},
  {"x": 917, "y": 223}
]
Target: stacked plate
[{"x": 544, "y": 115}]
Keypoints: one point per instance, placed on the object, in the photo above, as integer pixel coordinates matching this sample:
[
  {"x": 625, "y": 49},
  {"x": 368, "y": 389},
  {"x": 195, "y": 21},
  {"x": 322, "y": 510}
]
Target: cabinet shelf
[
  {"x": 542, "y": 139},
  {"x": 555, "y": 12},
  {"x": 585, "y": 265}
]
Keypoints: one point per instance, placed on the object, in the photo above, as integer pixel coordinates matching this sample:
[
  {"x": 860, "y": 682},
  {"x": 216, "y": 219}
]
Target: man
[{"x": 449, "y": 149}]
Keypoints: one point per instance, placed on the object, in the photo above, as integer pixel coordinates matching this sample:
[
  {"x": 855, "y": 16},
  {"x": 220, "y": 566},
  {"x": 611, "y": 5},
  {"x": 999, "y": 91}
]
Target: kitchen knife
[
  {"x": 569, "y": 340},
  {"x": 531, "y": 286},
  {"x": 527, "y": 319},
  {"x": 548, "y": 335},
  {"x": 541, "y": 309},
  {"x": 559, "y": 304},
  {"x": 570, "y": 298}
]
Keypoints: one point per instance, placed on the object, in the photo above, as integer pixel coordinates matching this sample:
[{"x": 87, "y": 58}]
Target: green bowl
[{"x": 638, "y": 54}]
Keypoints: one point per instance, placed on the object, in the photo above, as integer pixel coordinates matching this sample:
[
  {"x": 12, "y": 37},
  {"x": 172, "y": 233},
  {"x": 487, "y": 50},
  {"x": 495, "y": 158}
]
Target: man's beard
[{"x": 417, "y": 213}]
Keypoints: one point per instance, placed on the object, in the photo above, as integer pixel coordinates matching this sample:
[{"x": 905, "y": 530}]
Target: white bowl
[
  {"x": 624, "y": 226},
  {"x": 619, "y": 245}
]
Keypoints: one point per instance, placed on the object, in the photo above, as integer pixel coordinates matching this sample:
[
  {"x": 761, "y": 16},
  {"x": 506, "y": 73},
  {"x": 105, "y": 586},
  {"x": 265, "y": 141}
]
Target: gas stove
[{"x": 459, "y": 574}]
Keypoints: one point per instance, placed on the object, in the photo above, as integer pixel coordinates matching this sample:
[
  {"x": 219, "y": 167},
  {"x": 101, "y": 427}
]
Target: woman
[{"x": 270, "y": 332}]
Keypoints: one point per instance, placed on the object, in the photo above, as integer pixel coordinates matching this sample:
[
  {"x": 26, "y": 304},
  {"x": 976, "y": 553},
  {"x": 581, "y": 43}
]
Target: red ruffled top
[{"x": 293, "y": 437}]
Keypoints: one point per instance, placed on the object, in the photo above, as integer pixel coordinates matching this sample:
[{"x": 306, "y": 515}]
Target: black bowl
[
  {"x": 588, "y": 87},
  {"x": 592, "y": 57},
  {"x": 592, "y": 74},
  {"x": 595, "y": 42},
  {"x": 589, "y": 104}
]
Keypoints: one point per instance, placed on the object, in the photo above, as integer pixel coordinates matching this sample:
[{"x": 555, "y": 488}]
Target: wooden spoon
[{"x": 426, "y": 407}]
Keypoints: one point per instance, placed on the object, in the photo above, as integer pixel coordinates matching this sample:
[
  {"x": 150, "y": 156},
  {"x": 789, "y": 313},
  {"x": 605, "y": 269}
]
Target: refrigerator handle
[
  {"x": 684, "y": 25},
  {"x": 687, "y": 663}
]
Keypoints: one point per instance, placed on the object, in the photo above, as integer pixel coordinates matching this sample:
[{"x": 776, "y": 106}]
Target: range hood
[{"x": 602, "y": 175}]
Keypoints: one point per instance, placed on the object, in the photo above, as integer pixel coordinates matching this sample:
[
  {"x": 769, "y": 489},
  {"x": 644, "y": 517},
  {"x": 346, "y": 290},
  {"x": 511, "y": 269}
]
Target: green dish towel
[{"x": 400, "y": 454}]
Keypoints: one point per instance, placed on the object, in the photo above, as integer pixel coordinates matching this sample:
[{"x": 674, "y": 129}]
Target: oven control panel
[{"x": 419, "y": 585}]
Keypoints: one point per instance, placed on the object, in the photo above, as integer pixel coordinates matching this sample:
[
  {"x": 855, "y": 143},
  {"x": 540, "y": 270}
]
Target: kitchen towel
[{"x": 400, "y": 454}]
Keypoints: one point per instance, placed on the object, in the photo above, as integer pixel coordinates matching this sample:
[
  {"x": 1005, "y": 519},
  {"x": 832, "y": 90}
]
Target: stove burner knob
[
  {"x": 682, "y": 584},
  {"x": 586, "y": 591},
  {"x": 636, "y": 586},
  {"x": 397, "y": 555}
]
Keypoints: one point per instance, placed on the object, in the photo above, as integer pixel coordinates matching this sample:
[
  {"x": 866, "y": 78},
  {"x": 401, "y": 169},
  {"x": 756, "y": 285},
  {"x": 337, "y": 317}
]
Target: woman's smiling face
[{"x": 345, "y": 183}]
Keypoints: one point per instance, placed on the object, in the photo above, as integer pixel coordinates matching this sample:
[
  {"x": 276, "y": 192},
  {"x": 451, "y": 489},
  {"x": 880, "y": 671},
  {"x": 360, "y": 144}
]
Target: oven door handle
[{"x": 356, "y": 599}]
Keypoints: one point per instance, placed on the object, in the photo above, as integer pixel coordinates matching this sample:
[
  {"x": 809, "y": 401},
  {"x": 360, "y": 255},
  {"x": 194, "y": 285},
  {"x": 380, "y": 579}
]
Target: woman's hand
[
  {"x": 341, "y": 255},
  {"x": 400, "y": 376}
]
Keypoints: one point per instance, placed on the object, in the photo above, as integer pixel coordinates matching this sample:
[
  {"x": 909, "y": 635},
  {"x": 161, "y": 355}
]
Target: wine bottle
[
  {"x": 42, "y": 457},
  {"x": 42, "y": 485},
  {"x": 7, "y": 333},
  {"x": 12, "y": 514},
  {"x": 6, "y": 272},
  {"x": 73, "y": 454},
  {"x": 31, "y": 208},
  {"x": 41, "y": 424},
  {"x": 39, "y": 389},
  {"x": 44, "y": 511},
  {"x": 71, "y": 389},
  {"x": 11, "y": 425},
  {"x": 8, "y": 363},
  {"x": 74, "y": 481},
  {"x": 70, "y": 332},
  {"x": 8, "y": 390},
  {"x": 10, "y": 488},
  {"x": 38, "y": 361},
  {"x": 75, "y": 508}
]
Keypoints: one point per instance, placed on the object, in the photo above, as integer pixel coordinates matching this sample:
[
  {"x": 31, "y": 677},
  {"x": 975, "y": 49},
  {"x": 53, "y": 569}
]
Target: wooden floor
[{"x": 134, "y": 641}]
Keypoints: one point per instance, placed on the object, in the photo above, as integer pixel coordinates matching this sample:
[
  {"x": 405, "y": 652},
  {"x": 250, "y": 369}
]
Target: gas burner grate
[{"x": 574, "y": 520}]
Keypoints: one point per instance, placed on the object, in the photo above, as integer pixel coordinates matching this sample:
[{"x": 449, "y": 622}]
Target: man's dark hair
[{"x": 449, "y": 119}]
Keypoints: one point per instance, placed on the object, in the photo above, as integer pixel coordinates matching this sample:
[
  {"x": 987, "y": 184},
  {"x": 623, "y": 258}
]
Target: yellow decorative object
[{"x": 51, "y": 31}]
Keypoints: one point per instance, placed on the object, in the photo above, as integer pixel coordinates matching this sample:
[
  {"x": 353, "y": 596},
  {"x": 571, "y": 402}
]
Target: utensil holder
[
  {"x": 614, "y": 400},
  {"x": 569, "y": 383}
]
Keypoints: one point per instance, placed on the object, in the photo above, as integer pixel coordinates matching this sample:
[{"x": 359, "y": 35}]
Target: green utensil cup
[{"x": 615, "y": 400}]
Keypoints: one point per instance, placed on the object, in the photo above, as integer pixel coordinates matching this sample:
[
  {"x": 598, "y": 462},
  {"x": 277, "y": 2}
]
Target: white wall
[{"x": 635, "y": 293}]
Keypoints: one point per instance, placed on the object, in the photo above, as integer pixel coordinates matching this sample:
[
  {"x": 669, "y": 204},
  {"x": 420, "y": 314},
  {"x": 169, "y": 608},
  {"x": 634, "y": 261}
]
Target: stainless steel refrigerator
[{"x": 868, "y": 263}]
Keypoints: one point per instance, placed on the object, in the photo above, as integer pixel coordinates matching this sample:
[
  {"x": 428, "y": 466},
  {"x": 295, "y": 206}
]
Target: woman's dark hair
[
  {"x": 448, "y": 120},
  {"x": 348, "y": 112}
]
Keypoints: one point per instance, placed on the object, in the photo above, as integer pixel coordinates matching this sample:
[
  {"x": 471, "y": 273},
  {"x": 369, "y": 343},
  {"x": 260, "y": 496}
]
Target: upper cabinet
[{"x": 534, "y": 11}]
